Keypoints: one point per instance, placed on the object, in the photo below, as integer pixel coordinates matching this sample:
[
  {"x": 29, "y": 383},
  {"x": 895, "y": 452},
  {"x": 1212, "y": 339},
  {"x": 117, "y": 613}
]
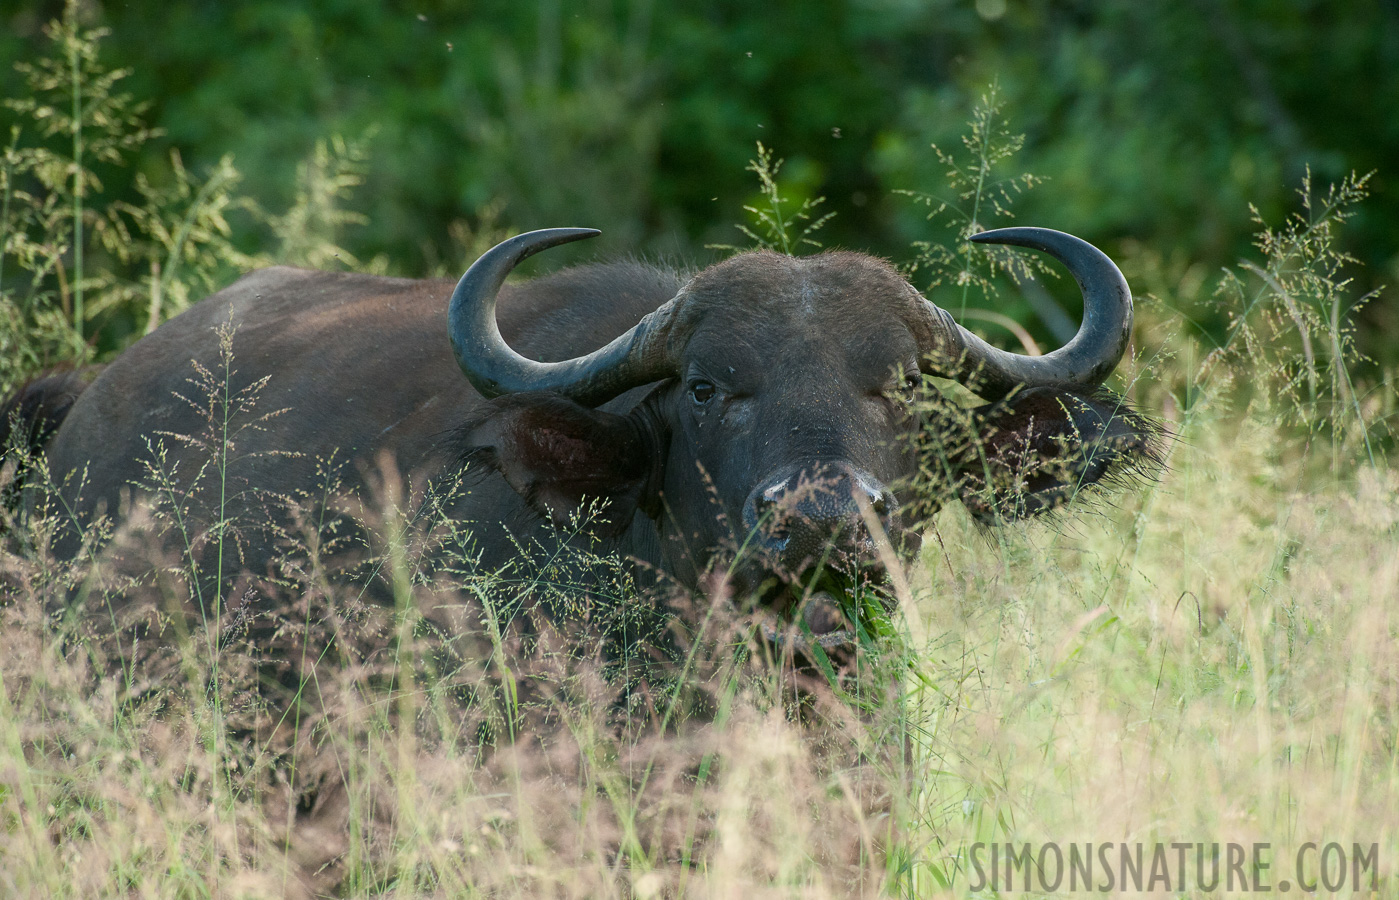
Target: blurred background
[{"x": 1159, "y": 131}]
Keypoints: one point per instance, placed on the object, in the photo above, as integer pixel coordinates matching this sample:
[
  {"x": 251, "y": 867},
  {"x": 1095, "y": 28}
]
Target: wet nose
[
  {"x": 796, "y": 514},
  {"x": 822, "y": 501}
]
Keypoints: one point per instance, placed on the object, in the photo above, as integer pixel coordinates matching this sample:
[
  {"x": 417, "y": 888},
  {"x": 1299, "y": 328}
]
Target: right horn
[{"x": 1087, "y": 359}]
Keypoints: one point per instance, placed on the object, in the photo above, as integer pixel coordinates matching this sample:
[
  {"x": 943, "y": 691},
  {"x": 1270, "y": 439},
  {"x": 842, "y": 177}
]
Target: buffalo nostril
[
  {"x": 765, "y": 504},
  {"x": 768, "y": 512},
  {"x": 880, "y": 500}
]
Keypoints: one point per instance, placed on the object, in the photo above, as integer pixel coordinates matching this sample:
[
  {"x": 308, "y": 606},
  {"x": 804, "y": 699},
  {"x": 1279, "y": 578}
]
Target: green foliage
[
  {"x": 1291, "y": 338},
  {"x": 44, "y": 213},
  {"x": 980, "y": 191},
  {"x": 1160, "y": 123},
  {"x": 71, "y": 94},
  {"x": 94, "y": 254},
  {"x": 156, "y": 250},
  {"x": 306, "y": 234},
  {"x": 782, "y": 225},
  {"x": 181, "y": 232}
]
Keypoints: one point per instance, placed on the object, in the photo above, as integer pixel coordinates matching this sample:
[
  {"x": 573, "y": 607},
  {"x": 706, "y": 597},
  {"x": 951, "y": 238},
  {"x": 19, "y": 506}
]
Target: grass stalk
[{"x": 79, "y": 186}]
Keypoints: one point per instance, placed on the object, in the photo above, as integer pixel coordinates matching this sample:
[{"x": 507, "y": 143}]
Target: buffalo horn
[
  {"x": 1087, "y": 359},
  {"x": 634, "y": 358}
]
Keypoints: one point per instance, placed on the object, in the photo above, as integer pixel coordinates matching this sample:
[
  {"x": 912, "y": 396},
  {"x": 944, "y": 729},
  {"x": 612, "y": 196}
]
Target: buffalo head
[{"x": 777, "y": 436}]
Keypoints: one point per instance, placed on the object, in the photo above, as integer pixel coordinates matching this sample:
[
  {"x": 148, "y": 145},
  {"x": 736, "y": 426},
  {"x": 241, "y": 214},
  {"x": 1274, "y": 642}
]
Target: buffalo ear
[
  {"x": 1041, "y": 447},
  {"x": 557, "y": 454}
]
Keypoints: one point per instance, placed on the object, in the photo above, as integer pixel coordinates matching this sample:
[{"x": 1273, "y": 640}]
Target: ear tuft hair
[{"x": 1044, "y": 448}]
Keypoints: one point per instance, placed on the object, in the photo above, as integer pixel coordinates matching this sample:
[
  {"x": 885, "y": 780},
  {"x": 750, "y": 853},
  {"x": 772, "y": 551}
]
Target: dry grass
[
  {"x": 1217, "y": 666},
  {"x": 445, "y": 743},
  {"x": 1214, "y": 659}
]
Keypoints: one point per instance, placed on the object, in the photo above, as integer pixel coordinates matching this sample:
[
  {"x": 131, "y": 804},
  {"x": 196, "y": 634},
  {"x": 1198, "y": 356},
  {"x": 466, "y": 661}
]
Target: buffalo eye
[
  {"x": 701, "y": 392},
  {"x": 905, "y": 390}
]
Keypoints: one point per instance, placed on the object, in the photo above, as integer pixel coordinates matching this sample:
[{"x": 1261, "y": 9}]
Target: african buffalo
[{"x": 761, "y": 404}]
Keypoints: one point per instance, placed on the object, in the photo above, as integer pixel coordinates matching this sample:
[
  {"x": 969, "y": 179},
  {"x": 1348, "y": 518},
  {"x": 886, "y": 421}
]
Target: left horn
[
  {"x": 634, "y": 358},
  {"x": 1087, "y": 359}
]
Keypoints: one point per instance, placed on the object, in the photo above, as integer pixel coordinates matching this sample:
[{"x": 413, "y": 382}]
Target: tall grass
[
  {"x": 92, "y": 254},
  {"x": 782, "y": 224},
  {"x": 1211, "y": 658}
]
